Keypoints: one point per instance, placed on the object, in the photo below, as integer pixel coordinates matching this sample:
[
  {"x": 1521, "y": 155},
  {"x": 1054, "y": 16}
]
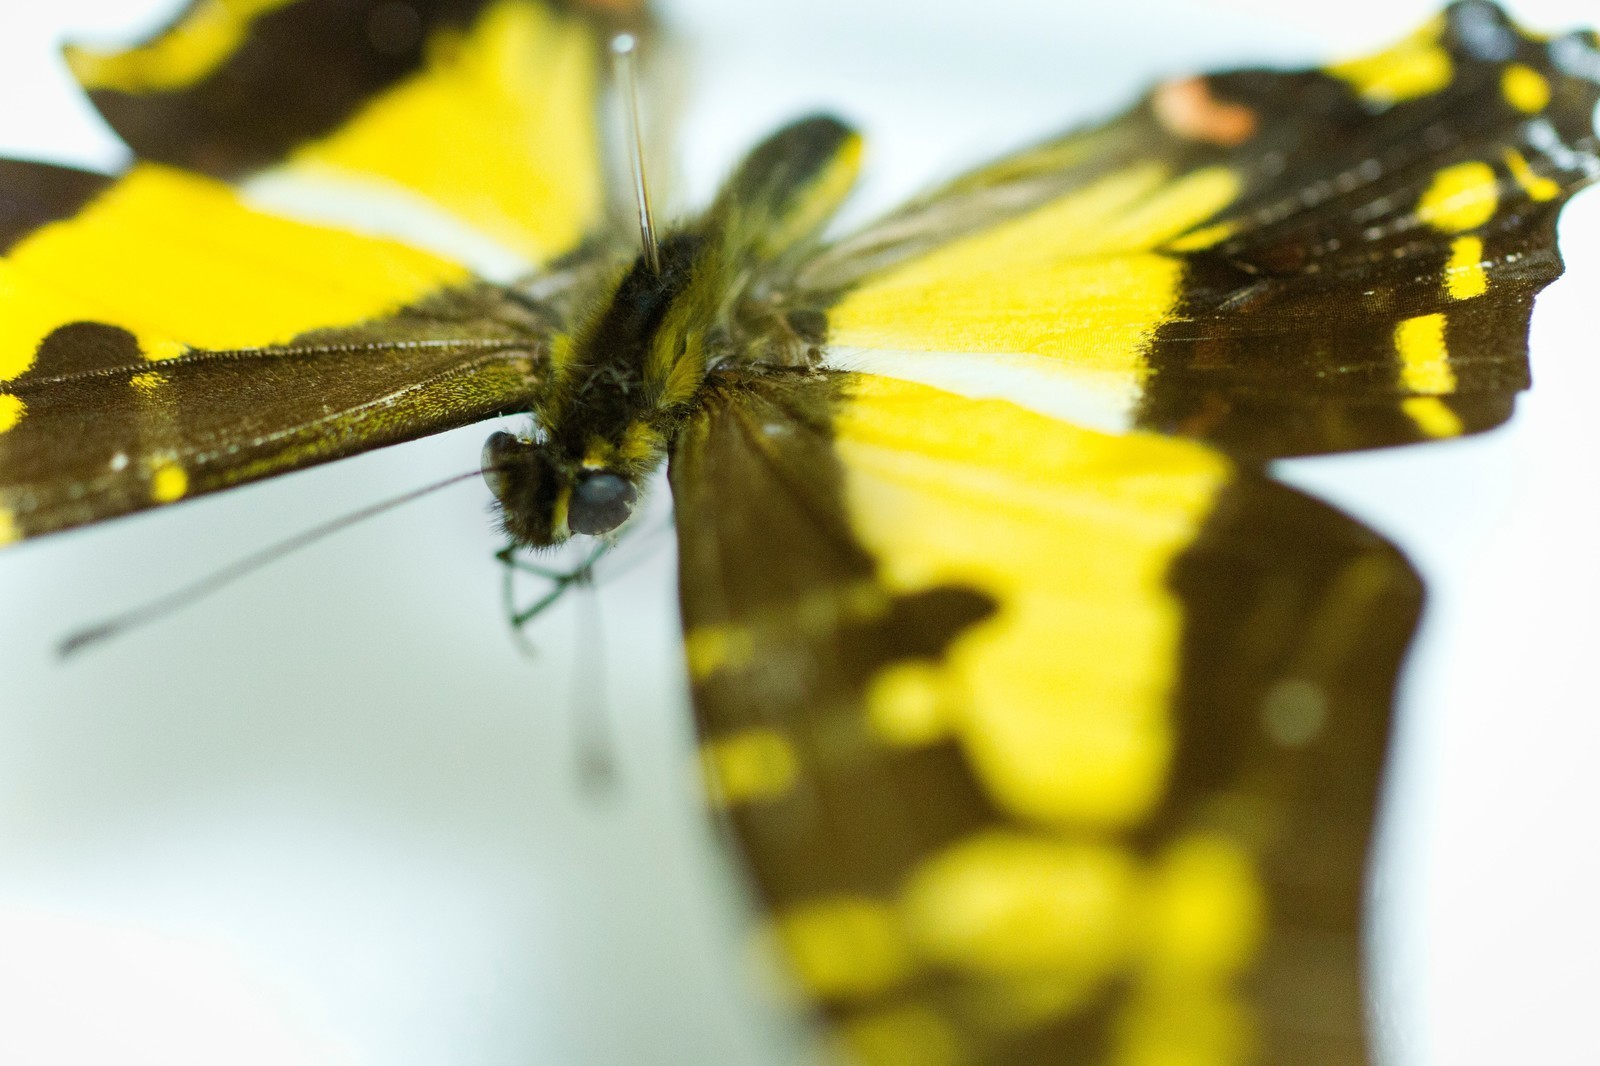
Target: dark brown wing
[
  {"x": 1045, "y": 745},
  {"x": 93, "y": 430}
]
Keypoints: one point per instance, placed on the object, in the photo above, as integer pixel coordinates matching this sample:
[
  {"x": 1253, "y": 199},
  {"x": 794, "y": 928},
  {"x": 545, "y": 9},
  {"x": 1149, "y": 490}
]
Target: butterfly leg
[
  {"x": 595, "y": 754},
  {"x": 560, "y": 581}
]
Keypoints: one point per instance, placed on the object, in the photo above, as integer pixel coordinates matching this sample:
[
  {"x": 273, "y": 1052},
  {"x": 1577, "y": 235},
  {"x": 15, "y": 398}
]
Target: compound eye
[
  {"x": 502, "y": 453},
  {"x": 600, "y": 503}
]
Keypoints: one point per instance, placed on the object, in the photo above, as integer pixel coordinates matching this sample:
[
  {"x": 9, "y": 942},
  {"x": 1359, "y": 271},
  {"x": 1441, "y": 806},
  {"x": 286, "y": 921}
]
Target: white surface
[{"x": 330, "y": 817}]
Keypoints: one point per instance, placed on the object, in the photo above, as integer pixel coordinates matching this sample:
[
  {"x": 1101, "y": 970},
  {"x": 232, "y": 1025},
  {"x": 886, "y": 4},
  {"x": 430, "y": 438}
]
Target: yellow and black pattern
[
  {"x": 1281, "y": 262},
  {"x": 1047, "y": 745},
  {"x": 163, "y": 334},
  {"x": 1048, "y": 724},
  {"x": 1432, "y": 202},
  {"x": 485, "y": 109}
]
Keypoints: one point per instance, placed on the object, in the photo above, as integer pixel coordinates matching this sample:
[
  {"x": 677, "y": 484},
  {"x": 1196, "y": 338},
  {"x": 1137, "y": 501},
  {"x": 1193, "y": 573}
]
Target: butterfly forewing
[
  {"x": 483, "y": 109},
  {"x": 1283, "y": 262},
  {"x": 165, "y": 333}
]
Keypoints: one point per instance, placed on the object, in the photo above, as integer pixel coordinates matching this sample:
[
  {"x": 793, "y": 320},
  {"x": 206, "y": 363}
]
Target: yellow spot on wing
[
  {"x": 1074, "y": 278},
  {"x": 1424, "y": 361},
  {"x": 1004, "y": 902},
  {"x": 749, "y": 766},
  {"x": 906, "y": 704},
  {"x": 175, "y": 257},
  {"x": 9, "y": 533},
  {"x": 844, "y": 947},
  {"x": 903, "y": 1035},
  {"x": 1184, "y": 1025},
  {"x": 1073, "y": 534},
  {"x": 147, "y": 382},
  {"x": 1417, "y": 66},
  {"x": 1524, "y": 88},
  {"x": 1204, "y": 911},
  {"x": 1539, "y": 188},
  {"x": 1460, "y": 197},
  {"x": 498, "y": 129},
  {"x": 168, "y": 483},
  {"x": 208, "y": 34},
  {"x": 11, "y": 411},
  {"x": 1464, "y": 275},
  {"x": 717, "y": 647},
  {"x": 1432, "y": 416}
]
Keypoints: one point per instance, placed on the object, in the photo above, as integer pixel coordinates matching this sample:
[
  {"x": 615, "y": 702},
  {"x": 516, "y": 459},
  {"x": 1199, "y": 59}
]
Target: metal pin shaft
[{"x": 624, "y": 55}]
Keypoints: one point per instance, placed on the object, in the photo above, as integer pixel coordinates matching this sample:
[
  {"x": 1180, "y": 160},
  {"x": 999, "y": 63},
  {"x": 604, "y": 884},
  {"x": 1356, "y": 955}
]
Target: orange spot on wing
[{"x": 1188, "y": 110}]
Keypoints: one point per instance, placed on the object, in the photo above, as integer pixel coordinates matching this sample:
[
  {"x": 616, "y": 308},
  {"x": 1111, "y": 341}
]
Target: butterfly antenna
[
  {"x": 625, "y": 62},
  {"x": 172, "y": 602}
]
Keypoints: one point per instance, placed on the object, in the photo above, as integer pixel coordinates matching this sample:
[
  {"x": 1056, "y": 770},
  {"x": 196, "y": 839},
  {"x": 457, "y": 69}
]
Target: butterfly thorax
[
  {"x": 634, "y": 366},
  {"x": 616, "y": 386}
]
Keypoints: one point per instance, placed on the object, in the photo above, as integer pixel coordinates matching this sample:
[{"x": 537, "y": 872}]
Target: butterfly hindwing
[
  {"x": 1282, "y": 262},
  {"x": 1031, "y": 733}
]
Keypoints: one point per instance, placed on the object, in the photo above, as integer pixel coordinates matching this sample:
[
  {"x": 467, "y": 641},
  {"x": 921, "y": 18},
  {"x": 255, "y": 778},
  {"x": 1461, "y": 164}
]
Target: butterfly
[{"x": 1191, "y": 250}]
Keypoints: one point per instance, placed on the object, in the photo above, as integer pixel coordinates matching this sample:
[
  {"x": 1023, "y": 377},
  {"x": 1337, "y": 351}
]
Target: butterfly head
[{"x": 544, "y": 499}]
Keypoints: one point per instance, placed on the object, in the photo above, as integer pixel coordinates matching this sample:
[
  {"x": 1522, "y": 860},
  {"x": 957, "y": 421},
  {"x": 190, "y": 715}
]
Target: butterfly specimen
[{"x": 1049, "y": 724}]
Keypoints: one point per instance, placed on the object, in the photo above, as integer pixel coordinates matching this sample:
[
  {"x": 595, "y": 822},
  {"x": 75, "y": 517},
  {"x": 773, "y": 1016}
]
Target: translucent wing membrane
[
  {"x": 1281, "y": 262},
  {"x": 481, "y": 109},
  {"x": 1046, "y": 745}
]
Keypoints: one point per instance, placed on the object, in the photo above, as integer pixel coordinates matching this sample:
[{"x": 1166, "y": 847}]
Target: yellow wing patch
[
  {"x": 1417, "y": 66},
  {"x": 1203, "y": 912},
  {"x": 1540, "y": 189},
  {"x": 1460, "y": 197},
  {"x": 178, "y": 260},
  {"x": 1525, "y": 88},
  {"x": 1424, "y": 360},
  {"x": 209, "y": 33},
  {"x": 513, "y": 100},
  {"x": 845, "y": 947},
  {"x": 169, "y": 483},
  {"x": 1074, "y": 279},
  {"x": 1007, "y": 902},
  {"x": 12, "y": 408},
  {"x": 1432, "y": 416},
  {"x": 749, "y": 767},
  {"x": 1072, "y": 532},
  {"x": 1464, "y": 275}
]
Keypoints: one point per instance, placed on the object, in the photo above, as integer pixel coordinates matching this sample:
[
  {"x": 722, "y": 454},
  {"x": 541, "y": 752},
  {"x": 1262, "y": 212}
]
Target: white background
[{"x": 330, "y": 816}]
